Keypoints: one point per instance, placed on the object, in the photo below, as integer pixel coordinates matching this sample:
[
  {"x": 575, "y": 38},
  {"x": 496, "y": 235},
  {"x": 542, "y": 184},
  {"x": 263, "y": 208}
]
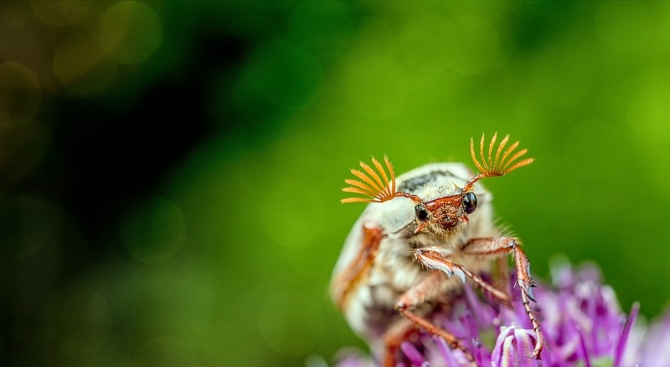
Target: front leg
[
  {"x": 438, "y": 259},
  {"x": 496, "y": 247}
]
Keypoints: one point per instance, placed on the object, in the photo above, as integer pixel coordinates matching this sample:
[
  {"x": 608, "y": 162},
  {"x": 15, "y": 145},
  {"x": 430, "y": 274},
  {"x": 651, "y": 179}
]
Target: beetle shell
[{"x": 369, "y": 303}]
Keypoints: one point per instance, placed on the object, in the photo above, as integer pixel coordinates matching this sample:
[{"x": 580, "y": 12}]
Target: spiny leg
[
  {"x": 438, "y": 259},
  {"x": 428, "y": 288},
  {"x": 489, "y": 246}
]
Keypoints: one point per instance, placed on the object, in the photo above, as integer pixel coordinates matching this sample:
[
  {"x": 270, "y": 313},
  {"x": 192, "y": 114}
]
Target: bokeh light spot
[
  {"x": 285, "y": 74},
  {"x": 78, "y": 319},
  {"x": 130, "y": 31},
  {"x": 647, "y": 115},
  {"x": 291, "y": 322},
  {"x": 155, "y": 231},
  {"x": 24, "y": 225},
  {"x": 165, "y": 351},
  {"x": 473, "y": 45},
  {"x": 13, "y": 17},
  {"x": 50, "y": 12},
  {"x": 649, "y": 111},
  {"x": 165, "y": 279},
  {"x": 622, "y": 25},
  {"x": 81, "y": 65},
  {"x": 421, "y": 49},
  {"x": 75, "y": 10},
  {"x": 20, "y": 96},
  {"x": 378, "y": 87}
]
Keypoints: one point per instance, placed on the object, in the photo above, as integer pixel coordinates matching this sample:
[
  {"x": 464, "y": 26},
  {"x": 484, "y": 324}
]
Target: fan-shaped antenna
[
  {"x": 504, "y": 161},
  {"x": 375, "y": 189}
]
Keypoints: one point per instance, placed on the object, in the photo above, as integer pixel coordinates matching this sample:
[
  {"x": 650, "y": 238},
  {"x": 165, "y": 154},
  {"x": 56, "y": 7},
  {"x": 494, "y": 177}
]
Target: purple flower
[
  {"x": 581, "y": 322},
  {"x": 513, "y": 346}
]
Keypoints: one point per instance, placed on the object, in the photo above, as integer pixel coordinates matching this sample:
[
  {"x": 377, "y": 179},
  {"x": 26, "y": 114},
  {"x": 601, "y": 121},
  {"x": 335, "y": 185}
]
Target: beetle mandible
[{"x": 419, "y": 230}]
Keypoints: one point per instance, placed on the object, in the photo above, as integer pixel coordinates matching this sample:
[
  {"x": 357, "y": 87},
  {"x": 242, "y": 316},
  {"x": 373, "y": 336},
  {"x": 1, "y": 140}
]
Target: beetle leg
[
  {"x": 437, "y": 259},
  {"x": 394, "y": 336},
  {"x": 426, "y": 289},
  {"x": 501, "y": 280},
  {"x": 358, "y": 268},
  {"x": 495, "y": 247}
]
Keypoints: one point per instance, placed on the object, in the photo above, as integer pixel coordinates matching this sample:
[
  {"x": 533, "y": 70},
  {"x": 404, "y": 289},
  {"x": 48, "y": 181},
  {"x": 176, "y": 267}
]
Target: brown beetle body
[{"x": 398, "y": 262}]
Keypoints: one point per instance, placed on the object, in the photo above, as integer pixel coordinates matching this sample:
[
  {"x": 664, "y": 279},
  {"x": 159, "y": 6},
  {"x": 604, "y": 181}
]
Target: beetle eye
[
  {"x": 421, "y": 213},
  {"x": 469, "y": 202}
]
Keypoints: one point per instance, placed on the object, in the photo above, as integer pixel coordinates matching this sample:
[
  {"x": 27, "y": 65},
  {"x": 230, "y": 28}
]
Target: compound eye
[
  {"x": 469, "y": 203},
  {"x": 421, "y": 212}
]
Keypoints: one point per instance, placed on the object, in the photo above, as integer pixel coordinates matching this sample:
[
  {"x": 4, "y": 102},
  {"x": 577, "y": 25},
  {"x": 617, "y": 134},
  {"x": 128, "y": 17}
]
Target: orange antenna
[
  {"x": 376, "y": 189},
  {"x": 493, "y": 166}
]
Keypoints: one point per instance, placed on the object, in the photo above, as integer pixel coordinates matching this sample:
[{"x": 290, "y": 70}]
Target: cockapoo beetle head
[{"x": 448, "y": 212}]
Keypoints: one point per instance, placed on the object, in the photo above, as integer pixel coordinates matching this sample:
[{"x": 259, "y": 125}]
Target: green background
[{"x": 223, "y": 254}]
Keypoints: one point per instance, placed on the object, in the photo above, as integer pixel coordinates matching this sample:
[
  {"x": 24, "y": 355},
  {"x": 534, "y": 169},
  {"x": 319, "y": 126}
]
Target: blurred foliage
[{"x": 170, "y": 170}]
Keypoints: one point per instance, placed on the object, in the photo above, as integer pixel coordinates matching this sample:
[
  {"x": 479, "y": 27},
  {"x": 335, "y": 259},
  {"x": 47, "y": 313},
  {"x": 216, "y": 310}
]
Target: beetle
[{"x": 415, "y": 244}]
